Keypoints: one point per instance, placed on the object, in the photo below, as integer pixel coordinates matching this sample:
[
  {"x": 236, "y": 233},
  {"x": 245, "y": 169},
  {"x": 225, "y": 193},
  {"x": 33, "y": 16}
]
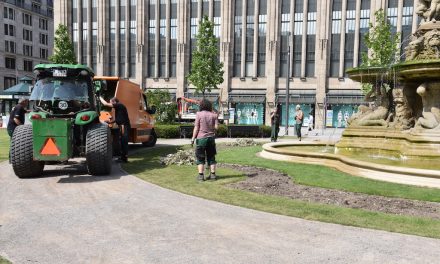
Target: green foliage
[
  {"x": 63, "y": 47},
  {"x": 222, "y": 131},
  {"x": 265, "y": 131},
  {"x": 4, "y": 146},
  {"x": 382, "y": 44},
  {"x": 167, "y": 131},
  {"x": 206, "y": 70},
  {"x": 166, "y": 109}
]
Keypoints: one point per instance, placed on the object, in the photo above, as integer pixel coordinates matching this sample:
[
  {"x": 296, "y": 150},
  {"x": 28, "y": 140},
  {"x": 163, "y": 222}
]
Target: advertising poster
[
  {"x": 329, "y": 118},
  {"x": 341, "y": 113},
  {"x": 306, "y": 108},
  {"x": 249, "y": 113}
]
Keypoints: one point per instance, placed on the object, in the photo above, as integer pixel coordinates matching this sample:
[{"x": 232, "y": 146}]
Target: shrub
[
  {"x": 167, "y": 131},
  {"x": 265, "y": 131},
  {"x": 222, "y": 131}
]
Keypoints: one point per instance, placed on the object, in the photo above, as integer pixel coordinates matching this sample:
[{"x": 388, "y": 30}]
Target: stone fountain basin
[
  {"x": 396, "y": 174},
  {"x": 418, "y": 70}
]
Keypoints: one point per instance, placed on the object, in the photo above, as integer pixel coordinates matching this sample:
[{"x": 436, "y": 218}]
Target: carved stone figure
[
  {"x": 377, "y": 116},
  {"x": 422, "y": 9},
  {"x": 434, "y": 10},
  {"x": 402, "y": 117},
  {"x": 431, "y": 113},
  {"x": 414, "y": 48}
]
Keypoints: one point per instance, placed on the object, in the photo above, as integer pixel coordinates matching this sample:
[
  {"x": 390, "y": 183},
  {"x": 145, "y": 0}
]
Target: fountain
[{"x": 399, "y": 135}]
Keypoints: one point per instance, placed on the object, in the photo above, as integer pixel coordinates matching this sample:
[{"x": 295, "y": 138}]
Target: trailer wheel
[
  {"x": 22, "y": 155},
  {"x": 152, "y": 141},
  {"x": 99, "y": 150}
]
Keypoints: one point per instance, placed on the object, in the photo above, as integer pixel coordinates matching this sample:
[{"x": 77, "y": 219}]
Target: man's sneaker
[
  {"x": 200, "y": 177},
  {"x": 212, "y": 177}
]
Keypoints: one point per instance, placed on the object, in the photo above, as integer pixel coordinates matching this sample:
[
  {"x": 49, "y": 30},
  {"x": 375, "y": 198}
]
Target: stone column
[
  {"x": 103, "y": 38},
  {"x": 225, "y": 49},
  {"x": 256, "y": 24},
  {"x": 415, "y": 17},
  {"x": 141, "y": 32},
  {"x": 117, "y": 37},
  {"x": 80, "y": 32},
  {"x": 304, "y": 40},
  {"x": 168, "y": 40},
  {"x": 272, "y": 55},
  {"x": 89, "y": 34},
  {"x": 182, "y": 46},
  {"x": 342, "y": 44},
  {"x": 62, "y": 14},
  {"x": 357, "y": 34},
  {"x": 243, "y": 40},
  {"x": 127, "y": 40},
  {"x": 157, "y": 41},
  {"x": 323, "y": 35}
]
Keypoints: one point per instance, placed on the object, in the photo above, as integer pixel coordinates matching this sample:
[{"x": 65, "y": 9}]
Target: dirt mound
[{"x": 265, "y": 181}]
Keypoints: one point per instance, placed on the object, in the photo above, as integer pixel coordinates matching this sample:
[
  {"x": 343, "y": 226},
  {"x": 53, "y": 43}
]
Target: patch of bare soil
[{"x": 271, "y": 182}]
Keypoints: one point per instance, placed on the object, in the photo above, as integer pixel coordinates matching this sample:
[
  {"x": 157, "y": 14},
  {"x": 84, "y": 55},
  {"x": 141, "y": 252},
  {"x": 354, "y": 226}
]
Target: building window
[
  {"x": 10, "y": 46},
  {"x": 75, "y": 34},
  {"x": 8, "y": 13},
  {"x": 364, "y": 27},
  {"x": 336, "y": 38},
  {"x": 261, "y": 59},
  {"x": 112, "y": 62},
  {"x": 27, "y": 35},
  {"x": 9, "y": 30},
  {"x": 27, "y": 65},
  {"x": 85, "y": 35},
  {"x": 43, "y": 24},
  {"x": 43, "y": 39},
  {"x": 50, "y": 12},
  {"x": 173, "y": 38},
  {"x": 162, "y": 38},
  {"x": 194, "y": 21},
  {"x": 27, "y": 19},
  {"x": 9, "y": 82},
  {"x": 36, "y": 7},
  {"x": 311, "y": 38},
  {"x": 152, "y": 39},
  {"x": 44, "y": 53},
  {"x": 406, "y": 25},
  {"x": 10, "y": 63},
  {"x": 27, "y": 50},
  {"x": 297, "y": 37},
  {"x": 350, "y": 25},
  {"x": 238, "y": 27},
  {"x": 249, "y": 58},
  {"x": 285, "y": 32}
]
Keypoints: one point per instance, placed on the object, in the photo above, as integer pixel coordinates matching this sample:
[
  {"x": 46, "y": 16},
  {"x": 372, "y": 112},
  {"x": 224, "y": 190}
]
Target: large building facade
[
  {"x": 262, "y": 44},
  {"x": 27, "y": 30}
]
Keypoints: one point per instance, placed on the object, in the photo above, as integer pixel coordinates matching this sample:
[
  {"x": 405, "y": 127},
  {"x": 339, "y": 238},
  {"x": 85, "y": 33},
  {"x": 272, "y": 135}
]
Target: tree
[
  {"x": 63, "y": 48},
  {"x": 382, "y": 43},
  {"x": 166, "y": 109},
  {"x": 383, "y": 47},
  {"x": 206, "y": 70}
]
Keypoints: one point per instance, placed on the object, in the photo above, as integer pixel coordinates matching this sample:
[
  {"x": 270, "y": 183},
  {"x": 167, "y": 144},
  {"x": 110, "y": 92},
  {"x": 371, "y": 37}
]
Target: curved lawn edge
[
  {"x": 4, "y": 261},
  {"x": 146, "y": 166}
]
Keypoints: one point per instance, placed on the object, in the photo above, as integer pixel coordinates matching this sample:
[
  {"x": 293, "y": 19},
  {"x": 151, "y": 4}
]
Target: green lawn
[
  {"x": 146, "y": 166},
  {"x": 4, "y": 261},
  {"x": 321, "y": 176},
  {"x": 4, "y": 144}
]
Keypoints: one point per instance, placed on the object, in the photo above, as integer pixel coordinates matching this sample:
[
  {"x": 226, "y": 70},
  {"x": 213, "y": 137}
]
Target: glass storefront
[
  {"x": 249, "y": 114},
  {"x": 306, "y": 108},
  {"x": 337, "y": 115}
]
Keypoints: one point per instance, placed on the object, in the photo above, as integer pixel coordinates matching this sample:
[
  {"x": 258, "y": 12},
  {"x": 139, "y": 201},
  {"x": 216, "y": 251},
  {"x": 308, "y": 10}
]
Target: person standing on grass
[
  {"x": 275, "y": 123},
  {"x": 298, "y": 121},
  {"x": 205, "y": 125},
  {"x": 16, "y": 117},
  {"x": 123, "y": 122}
]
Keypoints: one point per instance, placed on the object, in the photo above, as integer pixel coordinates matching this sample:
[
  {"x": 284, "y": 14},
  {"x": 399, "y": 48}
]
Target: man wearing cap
[
  {"x": 298, "y": 121},
  {"x": 16, "y": 117}
]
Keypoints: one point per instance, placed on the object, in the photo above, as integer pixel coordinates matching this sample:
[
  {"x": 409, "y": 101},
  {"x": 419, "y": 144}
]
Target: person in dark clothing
[
  {"x": 275, "y": 117},
  {"x": 123, "y": 122},
  {"x": 16, "y": 117}
]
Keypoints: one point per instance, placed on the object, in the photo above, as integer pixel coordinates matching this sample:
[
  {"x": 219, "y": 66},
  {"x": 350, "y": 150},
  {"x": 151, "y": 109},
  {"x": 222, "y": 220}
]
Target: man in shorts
[{"x": 204, "y": 135}]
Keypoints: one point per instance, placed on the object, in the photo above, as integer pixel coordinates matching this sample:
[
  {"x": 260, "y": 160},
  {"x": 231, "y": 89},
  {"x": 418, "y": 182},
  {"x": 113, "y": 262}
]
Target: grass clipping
[
  {"x": 243, "y": 142},
  {"x": 181, "y": 157}
]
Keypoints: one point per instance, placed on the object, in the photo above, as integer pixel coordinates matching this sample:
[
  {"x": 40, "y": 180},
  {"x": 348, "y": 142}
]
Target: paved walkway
[{"x": 71, "y": 217}]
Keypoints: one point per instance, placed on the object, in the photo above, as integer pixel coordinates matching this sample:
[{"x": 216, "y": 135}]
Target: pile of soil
[{"x": 271, "y": 182}]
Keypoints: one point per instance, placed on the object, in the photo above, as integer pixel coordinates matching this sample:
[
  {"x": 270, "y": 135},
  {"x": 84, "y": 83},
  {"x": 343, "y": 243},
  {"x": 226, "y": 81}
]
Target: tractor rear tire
[
  {"x": 152, "y": 141},
  {"x": 22, "y": 153},
  {"x": 99, "y": 150}
]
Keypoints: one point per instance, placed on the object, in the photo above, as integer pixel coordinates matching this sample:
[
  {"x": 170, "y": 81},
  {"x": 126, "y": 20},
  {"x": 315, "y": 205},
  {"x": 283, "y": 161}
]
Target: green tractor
[{"x": 65, "y": 123}]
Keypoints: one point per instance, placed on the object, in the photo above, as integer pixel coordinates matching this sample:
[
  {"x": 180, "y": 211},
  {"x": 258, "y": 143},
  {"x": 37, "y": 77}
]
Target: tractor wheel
[
  {"x": 22, "y": 154},
  {"x": 152, "y": 141},
  {"x": 99, "y": 150}
]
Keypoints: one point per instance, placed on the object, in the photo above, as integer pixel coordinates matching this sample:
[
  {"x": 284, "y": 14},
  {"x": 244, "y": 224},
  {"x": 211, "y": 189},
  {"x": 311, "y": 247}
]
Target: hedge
[{"x": 173, "y": 131}]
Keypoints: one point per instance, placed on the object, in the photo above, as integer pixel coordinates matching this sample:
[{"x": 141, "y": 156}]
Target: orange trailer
[{"x": 140, "y": 114}]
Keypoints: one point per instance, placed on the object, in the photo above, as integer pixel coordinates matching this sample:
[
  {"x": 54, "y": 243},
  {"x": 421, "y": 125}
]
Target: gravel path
[{"x": 70, "y": 217}]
